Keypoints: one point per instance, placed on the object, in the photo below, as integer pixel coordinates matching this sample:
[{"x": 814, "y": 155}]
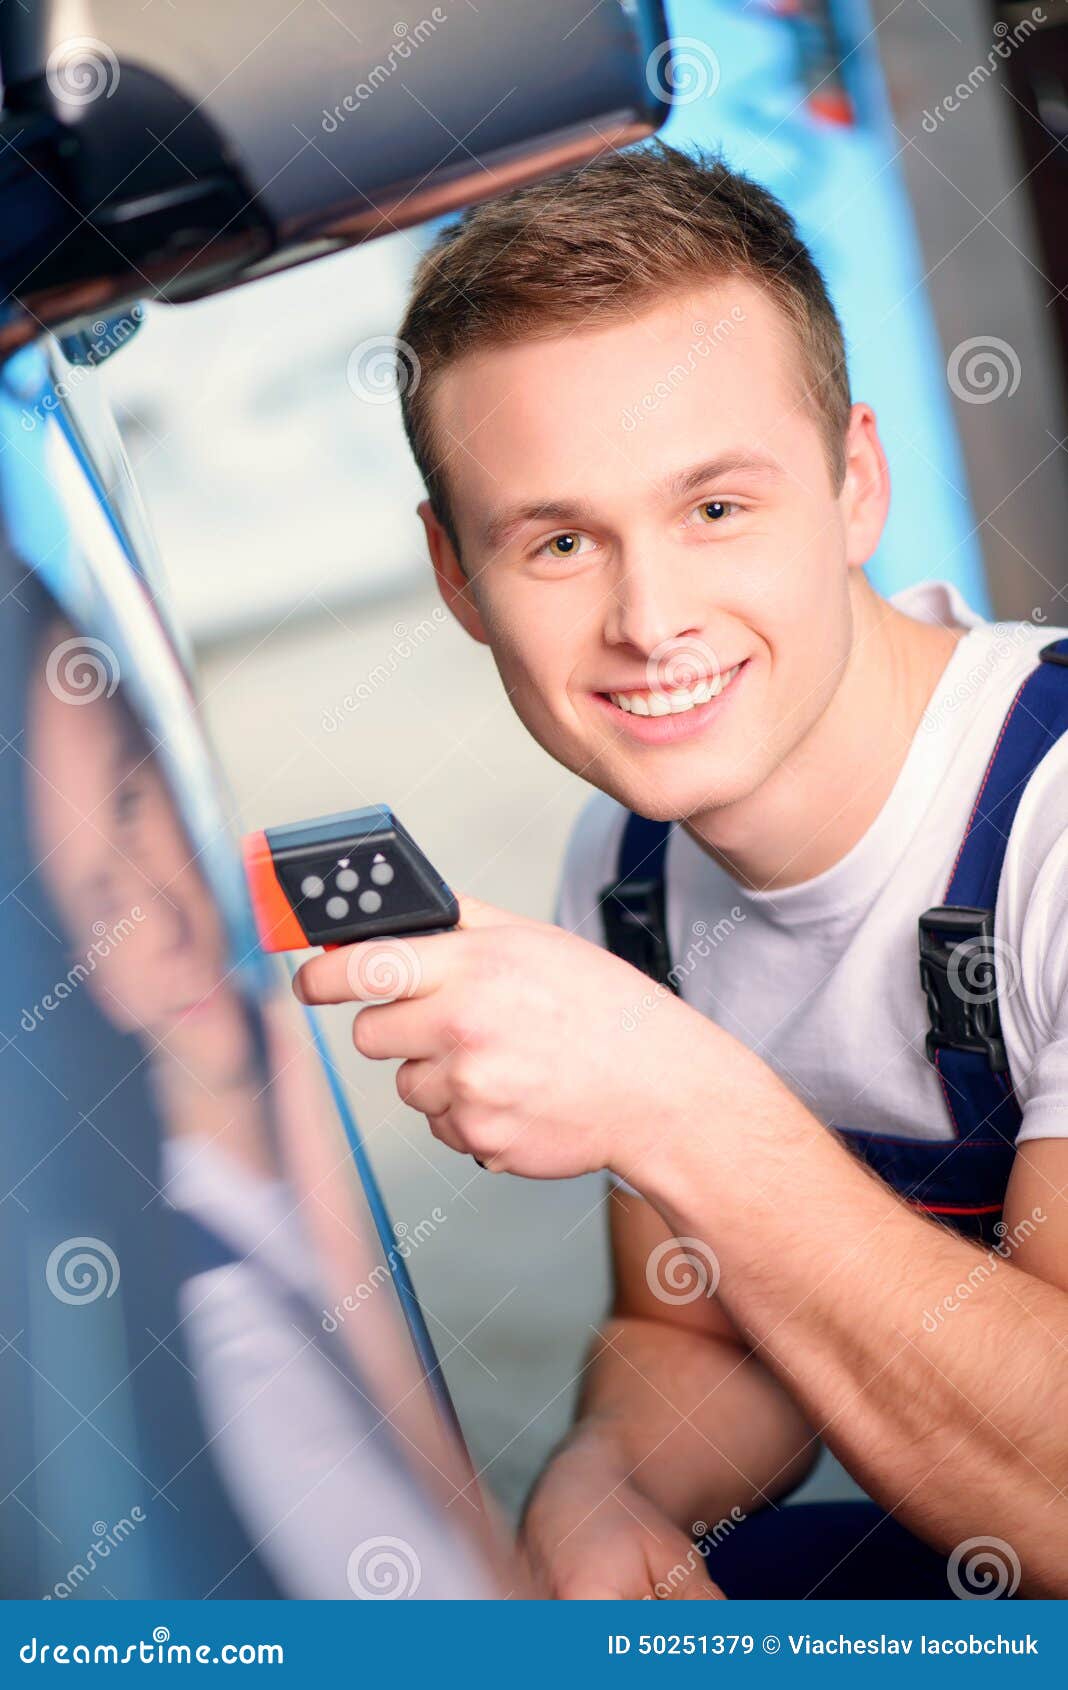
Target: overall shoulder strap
[
  {"x": 958, "y": 950},
  {"x": 633, "y": 906}
]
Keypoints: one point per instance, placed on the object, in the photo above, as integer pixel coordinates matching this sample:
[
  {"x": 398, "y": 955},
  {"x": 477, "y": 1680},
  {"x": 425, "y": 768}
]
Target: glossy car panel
[{"x": 209, "y": 1384}]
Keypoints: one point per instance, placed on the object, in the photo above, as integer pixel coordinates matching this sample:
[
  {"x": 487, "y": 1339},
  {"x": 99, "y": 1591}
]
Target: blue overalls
[{"x": 853, "y": 1549}]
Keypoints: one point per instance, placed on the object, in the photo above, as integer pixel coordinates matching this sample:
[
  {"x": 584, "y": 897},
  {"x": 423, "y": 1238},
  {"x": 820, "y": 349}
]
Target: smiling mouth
[
  {"x": 186, "y": 1011},
  {"x": 673, "y": 701}
]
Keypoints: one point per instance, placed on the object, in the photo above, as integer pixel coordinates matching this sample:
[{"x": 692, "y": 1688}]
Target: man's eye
[
  {"x": 128, "y": 800},
  {"x": 715, "y": 510},
  {"x": 563, "y": 545}
]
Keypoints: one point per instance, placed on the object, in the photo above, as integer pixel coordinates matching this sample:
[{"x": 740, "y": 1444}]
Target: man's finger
[
  {"x": 403, "y": 1028},
  {"x": 693, "y": 1586},
  {"x": 423, "y": 1085},
  {"x": 377, "y": 970},
  {"x": 474, "y": 913},
  {"x": 443, "y": 1130},
  {"x": 699, "y": 1588}
]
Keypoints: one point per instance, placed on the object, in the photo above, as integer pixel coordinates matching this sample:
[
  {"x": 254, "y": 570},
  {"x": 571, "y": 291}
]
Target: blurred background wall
[{"x": 278, "y": 482}]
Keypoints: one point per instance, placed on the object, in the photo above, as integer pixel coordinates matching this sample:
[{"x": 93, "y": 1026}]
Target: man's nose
[
  {"x": 649, "y": 605},
  {"x": 156, "y": 891}
]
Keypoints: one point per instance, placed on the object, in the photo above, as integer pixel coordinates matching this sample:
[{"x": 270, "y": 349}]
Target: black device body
[{"x": 355, "y": 875}]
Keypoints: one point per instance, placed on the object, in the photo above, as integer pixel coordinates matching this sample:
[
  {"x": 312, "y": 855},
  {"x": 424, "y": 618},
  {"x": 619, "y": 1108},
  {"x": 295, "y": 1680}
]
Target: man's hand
[
  {"x": 532, "y": 1050},
  {"x": 584, "y": 1541}
]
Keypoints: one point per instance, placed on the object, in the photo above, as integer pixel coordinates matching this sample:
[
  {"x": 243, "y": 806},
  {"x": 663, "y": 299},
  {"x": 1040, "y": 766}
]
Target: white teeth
[{"x": 673, "y": 703}]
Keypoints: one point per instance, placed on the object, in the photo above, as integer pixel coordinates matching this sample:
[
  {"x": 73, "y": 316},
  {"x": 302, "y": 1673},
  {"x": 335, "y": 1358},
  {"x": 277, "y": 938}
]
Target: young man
[{"x": 650, "y": 495}]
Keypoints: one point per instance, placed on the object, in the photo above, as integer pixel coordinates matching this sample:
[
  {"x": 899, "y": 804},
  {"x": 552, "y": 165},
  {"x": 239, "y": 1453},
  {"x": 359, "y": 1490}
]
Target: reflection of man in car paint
[
  {"x": 303, "y": 1421},
  {"x": 118, "y": 863},
  {"x": 652, "y": 496}
]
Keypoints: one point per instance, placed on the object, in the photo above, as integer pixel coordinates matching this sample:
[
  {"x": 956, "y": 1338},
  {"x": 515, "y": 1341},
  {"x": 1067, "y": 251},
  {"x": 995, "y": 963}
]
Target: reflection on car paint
[{"x": 181, "y": 1213}]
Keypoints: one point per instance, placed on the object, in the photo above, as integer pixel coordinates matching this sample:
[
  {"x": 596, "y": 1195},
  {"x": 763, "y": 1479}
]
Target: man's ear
[
  {"x": 453, "y": 585},
  {"x": 865, "y": 495}
]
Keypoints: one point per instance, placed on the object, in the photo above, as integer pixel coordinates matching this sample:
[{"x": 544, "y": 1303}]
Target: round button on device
[
  {"x": 381, "y": 873},
  {"x": 369, "y": 902},
  {"x": 337, "y": 908},
  {"x": 311, "y": 886},
  {"x": 347, "y": 880}
]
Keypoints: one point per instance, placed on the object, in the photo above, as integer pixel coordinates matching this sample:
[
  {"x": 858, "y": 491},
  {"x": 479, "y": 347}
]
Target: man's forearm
[
  {"x": 695, "y": 1423},
  {"x": 831, "y": 1276}
]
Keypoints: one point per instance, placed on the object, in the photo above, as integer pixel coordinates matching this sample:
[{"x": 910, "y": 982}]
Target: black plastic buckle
[
  {"x": 633, "y": 914},
  {"x": 1055, "y": 653},
  {"x": 960, "y": 984}
]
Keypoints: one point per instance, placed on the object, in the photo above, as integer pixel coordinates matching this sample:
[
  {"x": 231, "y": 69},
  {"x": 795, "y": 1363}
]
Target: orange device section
[{"x": 278, "y": 926}]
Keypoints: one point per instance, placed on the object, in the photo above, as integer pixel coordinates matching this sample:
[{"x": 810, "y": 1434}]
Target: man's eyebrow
[
  {"x": 503, "y": 523},
  {"x": 742, "y": 461}
]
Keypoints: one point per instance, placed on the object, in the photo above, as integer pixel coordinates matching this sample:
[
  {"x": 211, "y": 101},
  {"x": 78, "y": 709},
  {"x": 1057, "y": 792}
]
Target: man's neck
[{"x": 823, "y": 798}]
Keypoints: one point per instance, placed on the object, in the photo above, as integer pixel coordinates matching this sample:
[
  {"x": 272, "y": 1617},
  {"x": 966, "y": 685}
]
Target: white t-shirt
[{"x": 821, "y": 979}]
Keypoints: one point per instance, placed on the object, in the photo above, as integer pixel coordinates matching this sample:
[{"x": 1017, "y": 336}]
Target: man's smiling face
[{"x": 658, "y": 555}]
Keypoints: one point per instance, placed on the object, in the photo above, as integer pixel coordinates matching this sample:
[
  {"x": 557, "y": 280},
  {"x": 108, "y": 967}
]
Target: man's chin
[
  {"x": 671, "y": 801},
  {"x": 651, "y": 787}
]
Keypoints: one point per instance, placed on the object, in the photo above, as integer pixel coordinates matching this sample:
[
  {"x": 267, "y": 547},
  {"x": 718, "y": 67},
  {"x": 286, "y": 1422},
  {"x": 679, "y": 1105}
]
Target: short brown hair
[{"x": 594, "y": 244}]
